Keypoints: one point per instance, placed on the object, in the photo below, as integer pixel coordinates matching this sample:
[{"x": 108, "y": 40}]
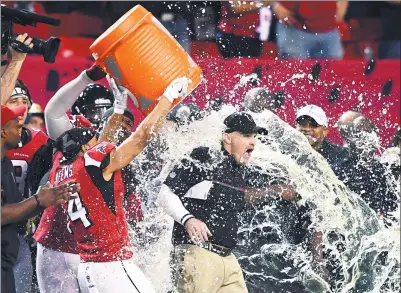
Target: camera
[{"x": 48, "y": 49}]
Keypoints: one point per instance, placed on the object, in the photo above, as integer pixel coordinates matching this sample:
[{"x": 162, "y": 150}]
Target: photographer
[{"x": 9, "y": 74}]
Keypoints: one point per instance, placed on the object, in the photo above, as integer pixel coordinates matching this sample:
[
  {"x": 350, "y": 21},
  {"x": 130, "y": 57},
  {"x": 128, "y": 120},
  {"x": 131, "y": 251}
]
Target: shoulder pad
[
  {"x": 34, "y": 137},
  {"x": 57, "y": 156},
  {"x": 39, "y": 135},
  {"x": 95, "y": 155},
  {"x": 79, "y": 121}
]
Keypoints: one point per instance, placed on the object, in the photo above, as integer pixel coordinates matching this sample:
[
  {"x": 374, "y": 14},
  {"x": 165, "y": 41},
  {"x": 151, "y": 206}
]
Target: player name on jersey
[{"x": 65, "y": 173}]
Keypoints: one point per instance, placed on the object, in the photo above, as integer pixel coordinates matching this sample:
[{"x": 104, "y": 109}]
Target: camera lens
[{"x": 48, "y": 49}]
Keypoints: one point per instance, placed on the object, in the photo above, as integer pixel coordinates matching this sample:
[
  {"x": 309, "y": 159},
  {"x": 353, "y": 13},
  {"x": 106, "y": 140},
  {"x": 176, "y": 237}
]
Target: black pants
[
  {"x": 7, "y": 281},
  {"x": 235, "y": 46}
]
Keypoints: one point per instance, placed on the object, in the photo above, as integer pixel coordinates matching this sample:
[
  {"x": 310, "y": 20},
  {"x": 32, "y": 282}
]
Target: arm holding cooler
[
  {"x": 149, "y": 127},
  {"x": 57, "y": 121}
]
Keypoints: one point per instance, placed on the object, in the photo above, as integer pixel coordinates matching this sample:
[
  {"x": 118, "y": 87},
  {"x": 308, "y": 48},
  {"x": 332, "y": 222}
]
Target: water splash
[
  {"x": 294, "y": 77},
  {"x": 361, "y": 255},
  {"x": 244, "y": 80}
]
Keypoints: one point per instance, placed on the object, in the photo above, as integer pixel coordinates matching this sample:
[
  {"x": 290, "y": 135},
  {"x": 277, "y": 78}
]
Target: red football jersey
[
  {"x": 21, "y": 157},
  {"x": 96, "y": 216},
  {"x": 52, "y": 231}
]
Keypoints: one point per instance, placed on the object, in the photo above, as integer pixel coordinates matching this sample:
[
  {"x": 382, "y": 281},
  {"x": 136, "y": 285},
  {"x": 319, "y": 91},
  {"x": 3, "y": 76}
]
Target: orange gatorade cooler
[{"x": 143, "y": 57}]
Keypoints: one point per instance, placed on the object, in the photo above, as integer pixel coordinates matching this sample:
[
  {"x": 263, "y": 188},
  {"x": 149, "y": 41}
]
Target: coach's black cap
[
  {"x": 243, "y": 123},
  {"x": 71, "y": 141}
]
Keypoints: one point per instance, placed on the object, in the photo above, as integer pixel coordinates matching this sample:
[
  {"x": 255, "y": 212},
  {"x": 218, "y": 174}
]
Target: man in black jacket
[
  {"x": 205, "y": 195},
  {"x": 363, "y": 173},
  {"x": 311, "y": 120}
]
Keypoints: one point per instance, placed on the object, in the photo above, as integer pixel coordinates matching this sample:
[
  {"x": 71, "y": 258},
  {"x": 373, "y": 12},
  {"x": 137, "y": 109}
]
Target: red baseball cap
[{"x": 8, "y": 114}]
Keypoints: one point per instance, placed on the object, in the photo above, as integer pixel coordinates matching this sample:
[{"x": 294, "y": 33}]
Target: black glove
[{"x": 95, "y": 73}]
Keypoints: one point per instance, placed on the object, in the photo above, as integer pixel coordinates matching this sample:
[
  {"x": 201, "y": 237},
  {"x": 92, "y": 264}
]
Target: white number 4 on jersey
[{"x": 77, "y": 211}]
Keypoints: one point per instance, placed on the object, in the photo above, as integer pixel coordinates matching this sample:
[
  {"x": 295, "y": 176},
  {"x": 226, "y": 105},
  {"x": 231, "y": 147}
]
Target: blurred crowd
[{"x": 300, "y": 29}]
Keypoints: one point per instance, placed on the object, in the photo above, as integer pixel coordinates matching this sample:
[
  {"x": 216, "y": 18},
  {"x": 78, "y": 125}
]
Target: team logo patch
[{"x": 101, "y": 149}]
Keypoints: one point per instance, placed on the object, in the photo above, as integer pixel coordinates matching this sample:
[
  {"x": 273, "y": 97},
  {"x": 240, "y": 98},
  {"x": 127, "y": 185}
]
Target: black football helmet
[{"x": 93, "y": 102}]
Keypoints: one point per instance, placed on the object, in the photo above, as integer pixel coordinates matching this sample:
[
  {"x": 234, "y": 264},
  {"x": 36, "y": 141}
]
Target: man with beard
[{"x": 273, "y": 234}]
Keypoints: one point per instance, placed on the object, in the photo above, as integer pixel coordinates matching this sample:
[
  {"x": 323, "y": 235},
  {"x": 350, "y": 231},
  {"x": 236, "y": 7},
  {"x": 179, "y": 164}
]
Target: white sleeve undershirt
[
  {"x": 56, "y": 117},
  {"x": 172, "y": 205}
]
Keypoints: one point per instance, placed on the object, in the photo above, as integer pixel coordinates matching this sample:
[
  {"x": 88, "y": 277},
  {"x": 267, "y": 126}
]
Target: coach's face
[{"x": 240, "y": 145}]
